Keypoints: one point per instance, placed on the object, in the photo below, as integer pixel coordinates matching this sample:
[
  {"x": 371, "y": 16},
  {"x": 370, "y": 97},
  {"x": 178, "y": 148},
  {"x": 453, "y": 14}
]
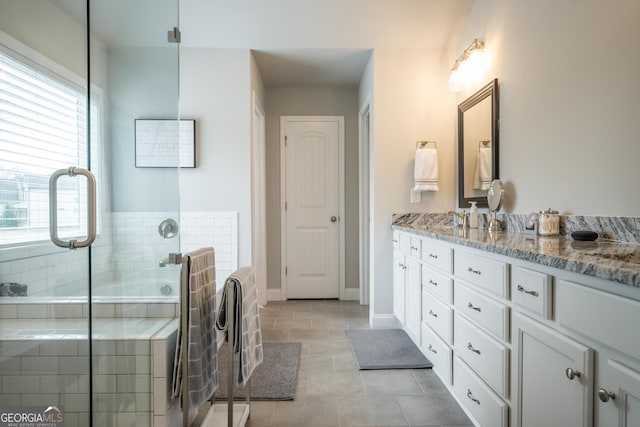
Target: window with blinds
[{"x": 43, "y": 122}]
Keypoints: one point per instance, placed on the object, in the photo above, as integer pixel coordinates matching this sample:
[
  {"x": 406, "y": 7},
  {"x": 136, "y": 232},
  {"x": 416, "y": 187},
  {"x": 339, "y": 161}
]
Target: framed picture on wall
[{"x": 165, "y": 143}]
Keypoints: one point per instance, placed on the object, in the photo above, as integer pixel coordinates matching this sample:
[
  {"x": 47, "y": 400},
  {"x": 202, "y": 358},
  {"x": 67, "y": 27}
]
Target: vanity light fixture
[{"x": 467, "y": 66}]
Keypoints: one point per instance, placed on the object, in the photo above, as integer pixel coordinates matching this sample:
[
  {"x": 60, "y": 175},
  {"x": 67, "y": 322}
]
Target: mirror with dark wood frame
[{"x": 477, "y": 145}]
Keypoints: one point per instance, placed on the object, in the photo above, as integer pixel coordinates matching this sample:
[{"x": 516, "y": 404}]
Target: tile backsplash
[{"x": 129, "y": 249}]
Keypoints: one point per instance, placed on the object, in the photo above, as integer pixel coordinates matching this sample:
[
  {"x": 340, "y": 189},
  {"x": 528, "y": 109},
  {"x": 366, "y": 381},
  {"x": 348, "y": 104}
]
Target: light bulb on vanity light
[{"x": 468, "y": 67}]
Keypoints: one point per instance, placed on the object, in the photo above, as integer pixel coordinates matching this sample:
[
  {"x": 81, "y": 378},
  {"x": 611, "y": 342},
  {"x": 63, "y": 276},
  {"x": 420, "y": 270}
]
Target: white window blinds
[{"x": 43, "y": 121}]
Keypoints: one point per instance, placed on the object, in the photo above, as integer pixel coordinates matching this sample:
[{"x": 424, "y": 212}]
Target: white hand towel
[
  {"x": 482, "y": 178},
  {"x": 426, "y": 169}
]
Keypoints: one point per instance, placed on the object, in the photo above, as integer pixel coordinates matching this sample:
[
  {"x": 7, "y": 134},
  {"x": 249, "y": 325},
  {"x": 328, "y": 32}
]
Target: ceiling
[{"x": 295, "y": 42}]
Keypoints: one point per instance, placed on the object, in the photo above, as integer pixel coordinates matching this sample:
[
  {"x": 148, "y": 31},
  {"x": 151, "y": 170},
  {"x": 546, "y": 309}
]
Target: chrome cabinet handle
[
  {"x": 572, "y": 373},
  {"x": 605, "y": 395},
  {"x": 433, "y": 256},
  {"x": 414, "y": 248},
  {"x": 91, "y": 208},
  {"x": 526, "y": 291},
  {"x": 432, "y": 313},
  {"x": 473, "y": 307},
  {"x": 471, "y": 270},
  {"x": 470, "y": 396},
  {"x": 470, "y": 347},
  {"x": 433, "y": 283},
  {"x": 431, "y": 349}
]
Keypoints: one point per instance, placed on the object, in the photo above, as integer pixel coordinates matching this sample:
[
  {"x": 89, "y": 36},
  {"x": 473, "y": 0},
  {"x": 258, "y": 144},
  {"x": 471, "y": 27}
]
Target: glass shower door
[
  {"x": 134, "y": 286},
  {"x": 44, "y": 122}
]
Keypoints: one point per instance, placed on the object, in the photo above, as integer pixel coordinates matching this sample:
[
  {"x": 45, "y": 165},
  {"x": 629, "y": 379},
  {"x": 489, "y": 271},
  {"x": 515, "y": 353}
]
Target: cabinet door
[
  {"x": 617, "y": 395},
  {"x": 413, "y": 296},
  {"x": 554, "y": 377},
  {"x": 399, "y": 268}
]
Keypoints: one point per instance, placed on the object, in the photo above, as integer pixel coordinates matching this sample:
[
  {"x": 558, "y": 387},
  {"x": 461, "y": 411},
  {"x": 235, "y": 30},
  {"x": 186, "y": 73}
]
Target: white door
[
  {"x": 312, "y": 206},
  {"x": 555, "y": 373},
  {"x": 617, "y": 395}
]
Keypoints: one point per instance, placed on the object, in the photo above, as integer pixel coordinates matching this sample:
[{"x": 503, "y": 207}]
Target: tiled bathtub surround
[
  {"x": 604, "y": 259},
  {"x": 131, "y": 359}
]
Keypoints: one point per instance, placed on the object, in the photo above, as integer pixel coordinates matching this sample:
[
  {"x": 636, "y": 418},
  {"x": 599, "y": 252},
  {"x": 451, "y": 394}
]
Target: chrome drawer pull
[
  {"x": 432, "y": 350},
  {"x": 433, "y": 283},
  {"x": 470, "y": 396},
  {"x": 414, "y": 248},
  {"x": 475, "y": 350},
  {"x": 526, "y": 291},
  {"x": 432, "y": 313},
  {"x": 433, "y": 256},
  {"x": 471, "y": 270},
  {"x": 572, "y": 373},
  {"x": 473, "y": 307}
]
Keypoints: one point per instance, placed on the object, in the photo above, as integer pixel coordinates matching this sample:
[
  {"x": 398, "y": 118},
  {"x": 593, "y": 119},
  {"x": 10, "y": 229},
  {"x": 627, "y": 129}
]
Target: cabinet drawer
[
  {"x": 437, "y": 255},
  {"x": 415, "y": 247},
  {"x": 487, "y": 312},
  {"x": 438, "y": 353},
  {"x": 604, "y": 317},
  {"x": 484, "y": 405},
  {"x": 404, "y": 243},
  {"x": 532, "y": 291},
  {"x": 437, "y": 283},
  {"x": 488, "y": 274},
  {"x": 396, "y": 240},
  {"x": 438, "y": 315},
  {"x": 487, "y": 356}
]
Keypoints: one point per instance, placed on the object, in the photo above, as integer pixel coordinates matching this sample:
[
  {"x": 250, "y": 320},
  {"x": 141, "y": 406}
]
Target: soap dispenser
[{"x": 473, "y": 215}]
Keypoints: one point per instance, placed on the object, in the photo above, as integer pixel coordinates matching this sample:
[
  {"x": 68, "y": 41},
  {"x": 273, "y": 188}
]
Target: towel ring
[
  {"x": 423, "y": 144},
  {"x": 484, "y": 143}
]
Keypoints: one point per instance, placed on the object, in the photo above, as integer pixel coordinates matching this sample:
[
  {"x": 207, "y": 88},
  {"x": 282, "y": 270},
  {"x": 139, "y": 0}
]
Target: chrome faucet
[{"x": 462, "y": 216}]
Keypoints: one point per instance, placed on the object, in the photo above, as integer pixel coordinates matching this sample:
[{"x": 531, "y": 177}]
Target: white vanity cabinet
[
  {"x": 406, "y": 283},
  {"x": 519, "y": 344}
]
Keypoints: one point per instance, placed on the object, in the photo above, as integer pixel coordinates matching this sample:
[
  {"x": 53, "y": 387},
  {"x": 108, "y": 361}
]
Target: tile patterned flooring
[{"x": 331, "y": 391}]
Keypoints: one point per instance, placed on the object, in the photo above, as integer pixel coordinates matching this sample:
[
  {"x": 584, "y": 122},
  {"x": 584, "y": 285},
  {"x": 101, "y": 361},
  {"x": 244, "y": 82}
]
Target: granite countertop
[{"x": 606, "y": 259}]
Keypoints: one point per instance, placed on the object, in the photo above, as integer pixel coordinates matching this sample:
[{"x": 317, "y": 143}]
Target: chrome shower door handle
[{"x": 91, "y": 207}]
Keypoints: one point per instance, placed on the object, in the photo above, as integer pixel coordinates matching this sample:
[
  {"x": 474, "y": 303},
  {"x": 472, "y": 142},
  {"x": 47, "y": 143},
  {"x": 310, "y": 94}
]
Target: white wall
[
  {"x": 569, "y": 90},
  {"x": 319, "y": 102},
  {"x": 215, "y": 89},
  {"x": 411, "y": 103}
]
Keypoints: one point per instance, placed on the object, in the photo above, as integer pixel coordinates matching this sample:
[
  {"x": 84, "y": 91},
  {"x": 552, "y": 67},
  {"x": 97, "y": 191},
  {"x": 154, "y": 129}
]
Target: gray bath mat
[
  {"x": 274, "y": 379},
  {"x": 385, "y": 349}
]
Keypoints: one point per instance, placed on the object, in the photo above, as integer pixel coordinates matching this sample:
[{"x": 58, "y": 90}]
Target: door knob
[
  {"x": 334, "y": 218},
  {"x": 572, "y": 373},
  {"x": 605, "y": 395}
]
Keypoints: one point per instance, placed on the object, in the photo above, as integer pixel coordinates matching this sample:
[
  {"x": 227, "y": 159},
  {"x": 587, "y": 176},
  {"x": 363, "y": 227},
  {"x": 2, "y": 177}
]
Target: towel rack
[
  {"x": 210, "y": 420},
  {"x": 484, "y": 143},
  {"x": 423, "y": 144}
]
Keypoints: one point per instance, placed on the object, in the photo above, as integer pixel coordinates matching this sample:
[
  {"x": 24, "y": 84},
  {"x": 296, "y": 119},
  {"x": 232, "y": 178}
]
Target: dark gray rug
[
  {"x": 385, "y": 349},
  {"x": 274, "y": 379}
]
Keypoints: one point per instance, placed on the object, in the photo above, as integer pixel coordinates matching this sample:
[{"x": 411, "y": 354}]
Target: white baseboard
[
  {"x": 352, "y": 294},
  {"x": 274, "y": 294},
  {"x": 385, "y": 321}
]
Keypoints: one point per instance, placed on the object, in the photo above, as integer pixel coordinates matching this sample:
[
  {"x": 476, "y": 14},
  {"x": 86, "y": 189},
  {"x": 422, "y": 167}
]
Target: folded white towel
[
  {"x": 482, "y": 178},
  {"x": 426, "y": 169}
]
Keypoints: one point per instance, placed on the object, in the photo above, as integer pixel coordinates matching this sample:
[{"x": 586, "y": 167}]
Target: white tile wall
[
  {"x": 131, "y": 381},
  {"x": 130, "y": 252}
]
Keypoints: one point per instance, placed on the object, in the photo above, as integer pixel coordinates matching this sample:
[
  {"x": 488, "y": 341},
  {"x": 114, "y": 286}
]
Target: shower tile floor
[{"x": 331, "y": 391}]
